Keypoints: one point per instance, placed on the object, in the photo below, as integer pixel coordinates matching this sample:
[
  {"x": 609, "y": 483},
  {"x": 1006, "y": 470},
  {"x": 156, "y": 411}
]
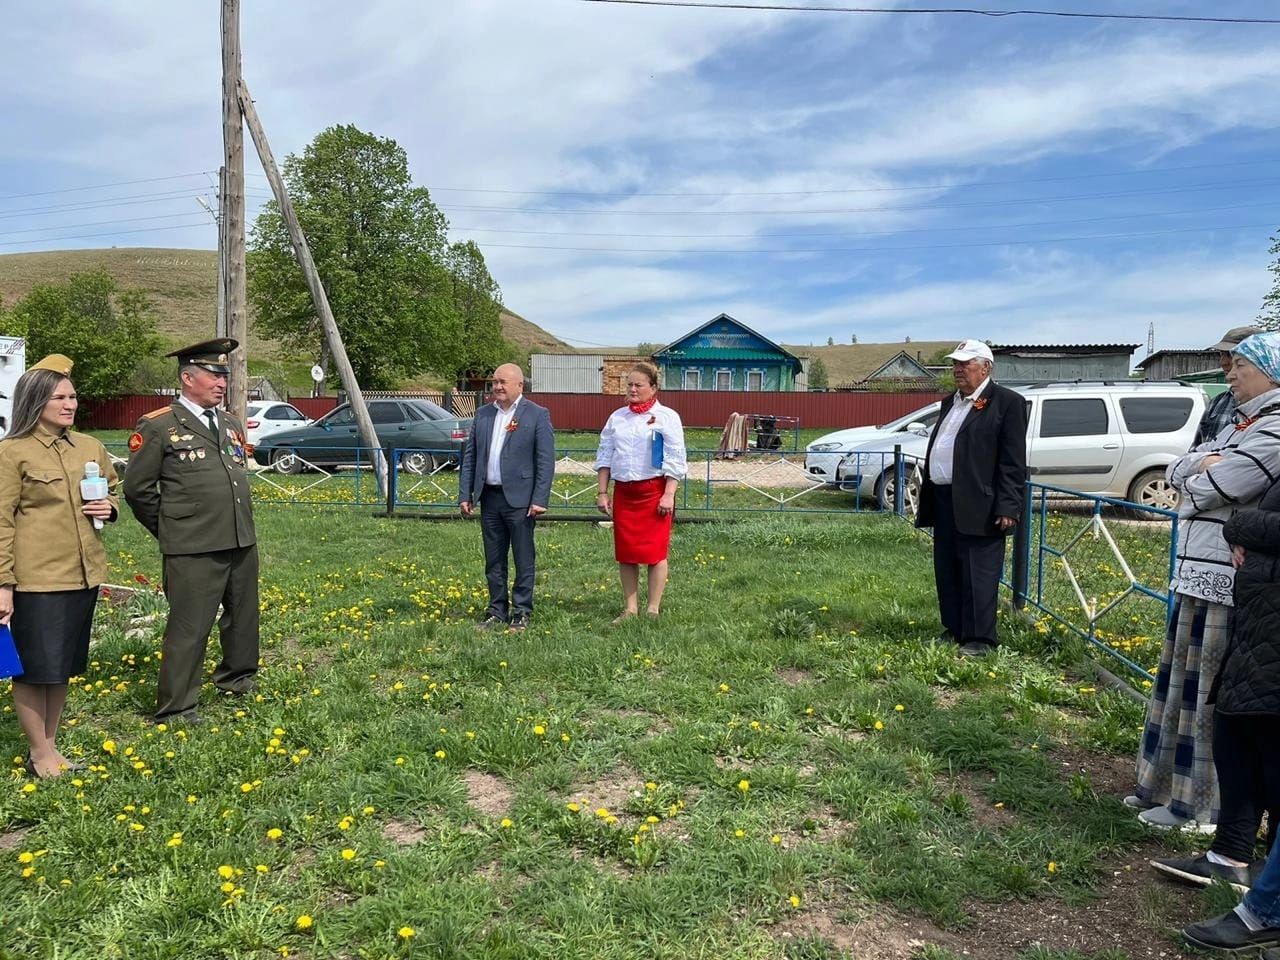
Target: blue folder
[
  {"x": 10, "y": 665},
  {"x": 655, "y": 449}
]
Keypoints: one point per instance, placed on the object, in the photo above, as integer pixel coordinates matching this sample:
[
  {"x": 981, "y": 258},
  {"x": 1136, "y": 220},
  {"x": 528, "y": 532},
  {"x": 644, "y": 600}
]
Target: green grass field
[{"x": 779, "y": 767}]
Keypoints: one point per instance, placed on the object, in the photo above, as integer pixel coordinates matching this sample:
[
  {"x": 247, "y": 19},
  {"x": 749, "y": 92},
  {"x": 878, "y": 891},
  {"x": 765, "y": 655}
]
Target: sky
[{"x": 630, "y": 172}]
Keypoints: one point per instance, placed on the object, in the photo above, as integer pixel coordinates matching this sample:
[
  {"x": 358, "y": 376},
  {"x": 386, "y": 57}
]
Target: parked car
[
  {"x": 429, "y": 435},
  {"x": 1112, "y": 439},
  {"x": 264, "y": 417},
  {"x": 823, "y": 456}
]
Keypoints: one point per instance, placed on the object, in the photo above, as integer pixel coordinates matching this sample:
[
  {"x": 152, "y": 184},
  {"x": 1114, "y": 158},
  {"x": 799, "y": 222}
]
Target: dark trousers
[
  {"x": 195, "y": 584},
  {"x": 966, "y": 571},
  {"x": 506, "y": 528},
  {"x": 1244, "y": 756}
]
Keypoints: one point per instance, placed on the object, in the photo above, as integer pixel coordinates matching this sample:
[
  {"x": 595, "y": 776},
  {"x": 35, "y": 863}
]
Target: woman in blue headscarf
[
  {"x": 1177, "y": 781},
  {"x": 1246, "y": 714}
]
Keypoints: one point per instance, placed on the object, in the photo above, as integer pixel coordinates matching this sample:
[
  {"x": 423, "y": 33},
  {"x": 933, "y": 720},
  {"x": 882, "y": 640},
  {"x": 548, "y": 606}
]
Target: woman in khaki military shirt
[{"x": 51, "y": 556}]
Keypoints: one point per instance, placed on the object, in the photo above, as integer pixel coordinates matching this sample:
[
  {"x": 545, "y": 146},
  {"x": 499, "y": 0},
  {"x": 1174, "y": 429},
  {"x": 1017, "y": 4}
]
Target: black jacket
[
  {"x": 1249, "y": 680},
  {"x": 989, "y": 471}
]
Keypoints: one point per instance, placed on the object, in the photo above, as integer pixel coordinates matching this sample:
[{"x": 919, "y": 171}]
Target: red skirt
[{"x": 639, "y": 534}]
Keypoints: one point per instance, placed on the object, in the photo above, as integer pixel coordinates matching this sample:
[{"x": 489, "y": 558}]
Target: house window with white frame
[
  {"x": 724, "y": 379},
  {"x": 692, "y": 378},
  {"x": 755, "y": 380}
]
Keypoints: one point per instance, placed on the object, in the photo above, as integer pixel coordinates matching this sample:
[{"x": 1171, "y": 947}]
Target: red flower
[
  {"x": 511, "y": 427},
  {"x": 980, "y": 403},
  {"x": 141, "y": 578}
]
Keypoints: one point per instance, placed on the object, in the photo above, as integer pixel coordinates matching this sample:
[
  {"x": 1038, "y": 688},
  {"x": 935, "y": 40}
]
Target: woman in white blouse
[{"x": 642, "y": 450}]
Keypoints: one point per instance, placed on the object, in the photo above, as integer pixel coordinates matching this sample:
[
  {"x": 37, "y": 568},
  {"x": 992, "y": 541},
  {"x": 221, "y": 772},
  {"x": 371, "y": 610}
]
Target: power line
[
  {"x": 603, "y": 195},
  {"x": 810, "y": 211},
  {"x": 104, "y": 186},
  {"x": 902, "y": 249},
  {"x": 972, "y": 11},
  {"x": 94, "y": 236}
]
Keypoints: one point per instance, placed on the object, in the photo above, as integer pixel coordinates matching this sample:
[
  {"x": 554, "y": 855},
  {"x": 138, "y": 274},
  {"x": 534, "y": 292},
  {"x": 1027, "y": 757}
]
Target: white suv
[{"x": 1109, "y": 438}]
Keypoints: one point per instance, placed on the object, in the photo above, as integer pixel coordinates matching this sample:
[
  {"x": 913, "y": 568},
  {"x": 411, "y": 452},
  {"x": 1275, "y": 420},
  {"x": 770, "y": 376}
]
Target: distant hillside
[
  {"x": 849, "y": 362},
  {"x": 183, "y": 285}
]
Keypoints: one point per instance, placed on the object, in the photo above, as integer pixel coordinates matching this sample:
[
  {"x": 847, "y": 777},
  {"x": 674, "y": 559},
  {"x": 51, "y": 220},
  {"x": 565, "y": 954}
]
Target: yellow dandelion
[
  {"x": 795, "y": 900},
  {"x": 226, "y": 872},
  {"x": 275, "y": 833},
  {"x": 572, "y": 807},
  {"x": 304, "y": 922},
  {"x": 505, "y": 823},
  {"x": 879, "y": 725},
  {"x": 406, "y": 933},
  {"x": 348, "y": 854},
  {"x": 744, "y": 785},
  {"x": 539, "y": 730}
]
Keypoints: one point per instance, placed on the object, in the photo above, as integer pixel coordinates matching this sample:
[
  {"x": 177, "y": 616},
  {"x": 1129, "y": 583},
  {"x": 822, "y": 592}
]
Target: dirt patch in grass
[
  {"x": 1110, "y": 775},
  {"x": 611, "y": 791},
  {"x": 794, "y": 676},
  {"x": 12, "y": 839},
  {"x": 655, "y": 724},
  {"x": 864, "y": 933},
  {"x": 1134, "y": 914},
  {"x": 488, "y": 794},
  {"x": 985, "y": 813},
  {"x": 403, "y": 834}
]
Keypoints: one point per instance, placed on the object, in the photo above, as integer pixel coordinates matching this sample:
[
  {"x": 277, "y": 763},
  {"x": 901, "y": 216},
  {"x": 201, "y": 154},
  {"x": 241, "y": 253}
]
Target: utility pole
[
  {"x": 231, "y": 206},
  {"x": 302, "y": 252}
]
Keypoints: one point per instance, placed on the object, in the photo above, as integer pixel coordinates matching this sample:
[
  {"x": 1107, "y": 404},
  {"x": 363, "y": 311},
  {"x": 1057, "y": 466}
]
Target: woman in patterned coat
[{"x": 1177, "y": 784}]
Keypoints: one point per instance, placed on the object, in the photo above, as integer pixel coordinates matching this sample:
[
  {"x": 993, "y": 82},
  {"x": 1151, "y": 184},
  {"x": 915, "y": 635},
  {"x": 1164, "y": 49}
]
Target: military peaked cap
[{"x": 209, "y": 355}]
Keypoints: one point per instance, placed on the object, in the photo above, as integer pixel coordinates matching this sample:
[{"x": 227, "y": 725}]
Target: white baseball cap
[{"x": 971, "y": 350}]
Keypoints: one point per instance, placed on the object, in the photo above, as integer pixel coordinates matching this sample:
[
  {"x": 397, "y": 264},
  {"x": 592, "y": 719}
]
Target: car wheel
[
  {"x": 420, "y": 462},
  {"x": 1151, "y": 489},
  {"x": 284, "y": 460},
  {"x": 910, "y": 497}
]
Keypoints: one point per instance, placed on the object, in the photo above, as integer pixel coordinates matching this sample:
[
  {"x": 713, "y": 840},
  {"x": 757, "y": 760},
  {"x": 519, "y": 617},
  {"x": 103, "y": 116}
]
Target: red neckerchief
[{"x": 642, "y": 407}]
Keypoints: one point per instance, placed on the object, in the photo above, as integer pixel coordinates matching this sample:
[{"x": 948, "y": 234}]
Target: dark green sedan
[{"x": 427, "y": 434}]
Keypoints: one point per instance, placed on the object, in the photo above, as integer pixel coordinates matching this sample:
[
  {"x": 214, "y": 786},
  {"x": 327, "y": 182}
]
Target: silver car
[
  {"x": 822, "y": 457},
  {"x": 1110, "y": 438}
]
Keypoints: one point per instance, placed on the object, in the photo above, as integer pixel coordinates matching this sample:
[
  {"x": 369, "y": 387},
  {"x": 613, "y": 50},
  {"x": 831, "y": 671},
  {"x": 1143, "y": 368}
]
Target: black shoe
[
  {"x": 945, "y": 639},
  {"x": 190, "y": 718},
  {"x": 1228, "y": 933},
  {"x": 519, "y": 622},
  {"x": 491, "y": 622},
  {"x": 976, "y": 648},
  {"x": 1201, "y": 872}
]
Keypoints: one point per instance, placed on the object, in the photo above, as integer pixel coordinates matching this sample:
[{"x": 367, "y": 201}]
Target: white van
[{"x": 1109, "y": 438}]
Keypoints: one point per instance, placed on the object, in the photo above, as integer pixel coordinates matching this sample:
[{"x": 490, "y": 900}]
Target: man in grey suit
[{"x": 507, "y": 467}]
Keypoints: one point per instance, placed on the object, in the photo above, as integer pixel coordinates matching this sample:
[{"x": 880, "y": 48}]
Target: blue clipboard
[{"x": 10, "y": 665}]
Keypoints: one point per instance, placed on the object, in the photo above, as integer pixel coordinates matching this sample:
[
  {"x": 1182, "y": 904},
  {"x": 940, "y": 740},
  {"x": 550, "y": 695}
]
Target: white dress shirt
[
  {"x": 626, "y": 444},
  {"x": 942, "y": 456},
  {"x": 199, "y": 411},
  {"x": 493, "y": 467}
]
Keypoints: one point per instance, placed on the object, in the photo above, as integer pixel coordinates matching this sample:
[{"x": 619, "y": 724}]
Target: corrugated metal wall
[
  {"x": 567, "y": 372},
  {"x": 584, "y": 411}
]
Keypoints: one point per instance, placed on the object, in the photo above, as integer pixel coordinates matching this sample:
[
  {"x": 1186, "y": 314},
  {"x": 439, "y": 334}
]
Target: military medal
[{"x": 200, "y": 453}]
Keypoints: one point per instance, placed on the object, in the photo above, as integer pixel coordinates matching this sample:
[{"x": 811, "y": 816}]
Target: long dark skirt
[{"x": 51, "y": 632}]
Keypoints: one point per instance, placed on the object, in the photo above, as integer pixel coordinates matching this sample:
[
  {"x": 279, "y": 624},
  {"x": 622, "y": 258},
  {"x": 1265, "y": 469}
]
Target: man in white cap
[{"x": 974, "y": 474}]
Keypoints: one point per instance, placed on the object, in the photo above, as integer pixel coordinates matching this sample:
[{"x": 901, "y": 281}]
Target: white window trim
[
  {"x": 746, "y": 385},
  {"x": 693, "y": 374},
  {"x": 716, "y": 380}
]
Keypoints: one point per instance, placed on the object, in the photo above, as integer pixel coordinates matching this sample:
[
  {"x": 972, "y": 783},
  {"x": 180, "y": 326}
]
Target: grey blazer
[{"x": 527, "y": 461}]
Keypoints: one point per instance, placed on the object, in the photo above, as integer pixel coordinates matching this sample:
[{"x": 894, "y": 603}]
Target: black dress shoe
[
  {"x": 1201, "y": 871},
  {"x": 491, "y": 622},
  {"x": 976, "y": 648},
  {"x": 519, "y": 622},
  {"x": 945, "y": 639},
  {"x": 1229, "y": 933}
]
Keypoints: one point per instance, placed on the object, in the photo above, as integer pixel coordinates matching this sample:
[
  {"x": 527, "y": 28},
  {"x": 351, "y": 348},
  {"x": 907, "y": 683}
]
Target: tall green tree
[
  {"x": 1269, "y": 316},
  {"x": 818, "y": 377},
  {"x": 109, "y": 333},
  {"x": 380, "y": 247},
  {"x": 477, "y": 301}
]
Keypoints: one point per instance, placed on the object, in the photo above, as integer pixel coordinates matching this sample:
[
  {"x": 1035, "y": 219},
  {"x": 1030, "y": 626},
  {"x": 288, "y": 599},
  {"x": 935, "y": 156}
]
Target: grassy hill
[{"x": 183, "y": 286}]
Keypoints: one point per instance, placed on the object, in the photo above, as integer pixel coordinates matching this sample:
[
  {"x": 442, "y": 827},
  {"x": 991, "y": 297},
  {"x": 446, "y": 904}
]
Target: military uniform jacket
[{"x": 188, "y": 487}]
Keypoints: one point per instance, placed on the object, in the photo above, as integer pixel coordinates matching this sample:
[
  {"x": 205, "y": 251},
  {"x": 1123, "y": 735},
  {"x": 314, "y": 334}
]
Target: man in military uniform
[{"x": 186, "y": 483}]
